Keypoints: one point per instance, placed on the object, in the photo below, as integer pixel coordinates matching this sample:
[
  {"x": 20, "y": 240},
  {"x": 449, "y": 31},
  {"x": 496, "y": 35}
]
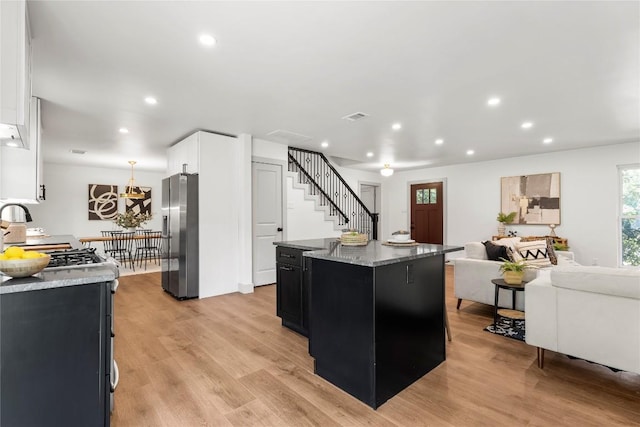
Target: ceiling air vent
[
  {"x": 76, "y": 151},
  {"x": 355, "y": 116},
  {"x": 287, "y": 137}
]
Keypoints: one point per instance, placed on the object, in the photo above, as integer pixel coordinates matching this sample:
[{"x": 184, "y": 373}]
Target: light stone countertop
[{"x": 58, "y": 277}]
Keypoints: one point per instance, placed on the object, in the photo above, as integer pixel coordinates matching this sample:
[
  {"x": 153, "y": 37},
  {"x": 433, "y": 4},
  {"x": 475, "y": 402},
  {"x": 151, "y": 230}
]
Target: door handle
[{"x": 279, "y": 229}]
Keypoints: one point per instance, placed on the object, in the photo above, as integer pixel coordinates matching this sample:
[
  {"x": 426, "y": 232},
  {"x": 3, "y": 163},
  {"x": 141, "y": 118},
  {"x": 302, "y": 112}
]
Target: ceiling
[{"x": 571, "y": 68}]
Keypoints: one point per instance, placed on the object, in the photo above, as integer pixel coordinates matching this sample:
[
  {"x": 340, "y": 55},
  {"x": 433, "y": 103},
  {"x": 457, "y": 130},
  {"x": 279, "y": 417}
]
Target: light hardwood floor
[{"x": 227, "y": 361}]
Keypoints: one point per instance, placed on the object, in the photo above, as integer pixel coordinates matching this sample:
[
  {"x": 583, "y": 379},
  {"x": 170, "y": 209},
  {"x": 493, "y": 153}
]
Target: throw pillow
[
  {"x": 495, "y": 252},
  {"x": 533, "y": 253},
  {"x": 551, "y": 252},
  {"x": 509, "y": 242}
]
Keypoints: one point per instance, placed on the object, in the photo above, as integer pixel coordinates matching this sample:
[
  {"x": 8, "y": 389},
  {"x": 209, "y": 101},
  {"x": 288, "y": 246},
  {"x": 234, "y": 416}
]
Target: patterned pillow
[
  {"x": 551, "y": 252},
  {"x": 534, "y": 253}
]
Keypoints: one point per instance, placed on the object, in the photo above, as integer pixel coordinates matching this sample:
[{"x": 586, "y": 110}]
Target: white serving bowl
[
  {"x": 401, "y": 237},
  {"x": 24, "y": 267}
]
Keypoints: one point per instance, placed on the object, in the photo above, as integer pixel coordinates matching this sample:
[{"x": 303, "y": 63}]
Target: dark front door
[{"x": 426, "y": 212}]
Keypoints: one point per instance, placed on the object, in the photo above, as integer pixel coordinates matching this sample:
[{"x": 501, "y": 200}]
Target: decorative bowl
[
  {"x": 401, "y": 235},
  {"x": 24, "y": 267}
]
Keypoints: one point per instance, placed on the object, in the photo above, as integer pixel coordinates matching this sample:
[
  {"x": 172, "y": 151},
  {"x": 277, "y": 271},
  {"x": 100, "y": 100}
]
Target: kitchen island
[
  {"x": 56, "y": 343},
  {"x": 376, "y": 314}
]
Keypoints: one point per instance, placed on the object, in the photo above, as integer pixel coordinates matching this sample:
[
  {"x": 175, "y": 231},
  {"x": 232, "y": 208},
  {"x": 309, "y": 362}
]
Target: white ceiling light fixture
[
  {"x": 151, "y": 100},
  {"x": 12, "y": 144},
  {"x": 130, "y": 190},
  {"x": 547, "y": 140},
  {"x": 324, "y": 144},
  {"x": 493, "y": 102},
  {"x": 386, "y": 170},
  {"x": 369, "y": 154},
  {"x": 396, "y": 126},
  {"x": 470, "y": 152},
  {"x": 123, "y": 130},
  {"x": 526, "y": 125},
  {"x": 207, "y": 40},
  {"x": 439, "y": 141}
]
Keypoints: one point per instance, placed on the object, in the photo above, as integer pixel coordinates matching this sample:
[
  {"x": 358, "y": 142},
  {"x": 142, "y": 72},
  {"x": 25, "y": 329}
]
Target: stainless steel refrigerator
[{"x": 180, "y": 235}]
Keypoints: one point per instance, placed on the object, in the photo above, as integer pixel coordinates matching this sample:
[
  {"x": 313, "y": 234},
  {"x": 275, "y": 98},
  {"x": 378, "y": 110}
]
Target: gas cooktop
[{"x": 74, "y": 257}]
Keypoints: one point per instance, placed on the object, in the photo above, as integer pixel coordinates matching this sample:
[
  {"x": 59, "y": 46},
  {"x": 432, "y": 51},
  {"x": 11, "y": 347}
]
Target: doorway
[
  {"x": 427, "y": 212},
  {"x": 370, "y": 196},
  {"x": 267, "y": 219}
]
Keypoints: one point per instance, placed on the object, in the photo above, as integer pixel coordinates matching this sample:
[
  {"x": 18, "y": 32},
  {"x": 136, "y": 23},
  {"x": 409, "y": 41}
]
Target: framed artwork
[
  {"x": 535, "y": 198},
  {"x": 140, "y": 205},
  {"x": 103, "y": 201}
]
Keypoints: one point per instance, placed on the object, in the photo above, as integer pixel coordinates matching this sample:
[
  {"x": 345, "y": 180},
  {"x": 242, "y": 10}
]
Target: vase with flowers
[
  {"x": 131, "y": 220},
  {"x": 504, "y": 219}
]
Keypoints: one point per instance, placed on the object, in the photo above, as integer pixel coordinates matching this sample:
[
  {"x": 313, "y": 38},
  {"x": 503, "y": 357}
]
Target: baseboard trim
[{"x": 245, "y": 288}]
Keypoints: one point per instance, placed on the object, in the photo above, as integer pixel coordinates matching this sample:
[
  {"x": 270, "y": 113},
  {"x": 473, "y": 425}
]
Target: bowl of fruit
[{"x": 16, "y": 262}]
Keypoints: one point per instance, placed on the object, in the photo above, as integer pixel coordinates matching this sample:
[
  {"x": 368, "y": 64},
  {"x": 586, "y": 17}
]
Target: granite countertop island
[
  {"x": 375, "y": 312},
  {"x": 57, "y": 277}
]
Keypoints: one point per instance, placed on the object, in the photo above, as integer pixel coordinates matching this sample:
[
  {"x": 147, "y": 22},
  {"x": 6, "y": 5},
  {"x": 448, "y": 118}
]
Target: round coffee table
[{"x": 510, "y": 313}]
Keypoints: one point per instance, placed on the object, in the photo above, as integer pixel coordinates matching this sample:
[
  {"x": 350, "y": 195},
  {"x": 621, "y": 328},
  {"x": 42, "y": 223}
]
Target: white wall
[
  {"x": 66, "y": 209},
  {"x": 303, "y": 220},
  {"x": 589, "y": 198}
]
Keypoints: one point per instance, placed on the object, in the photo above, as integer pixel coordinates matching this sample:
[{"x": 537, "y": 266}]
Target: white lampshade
[{"x": 386, "y": 171}]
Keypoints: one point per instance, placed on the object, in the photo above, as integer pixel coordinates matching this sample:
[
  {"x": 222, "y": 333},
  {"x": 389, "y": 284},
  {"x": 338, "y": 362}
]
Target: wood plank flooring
[{"x": 227, "y": 361}]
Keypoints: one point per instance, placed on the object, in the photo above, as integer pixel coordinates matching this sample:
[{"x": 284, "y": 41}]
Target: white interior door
[{"x": 267, "y": 220}]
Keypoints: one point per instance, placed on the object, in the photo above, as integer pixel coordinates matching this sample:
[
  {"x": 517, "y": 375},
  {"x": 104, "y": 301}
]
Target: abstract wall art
[
  {"x": 103, "y": 201},
  {"x": 140, "y": 205},
  {"x": 535, "y": 198}
]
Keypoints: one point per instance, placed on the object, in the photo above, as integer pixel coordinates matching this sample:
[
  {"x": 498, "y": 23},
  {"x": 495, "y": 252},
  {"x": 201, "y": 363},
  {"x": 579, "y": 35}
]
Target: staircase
[{"x": 332, "y": 191}]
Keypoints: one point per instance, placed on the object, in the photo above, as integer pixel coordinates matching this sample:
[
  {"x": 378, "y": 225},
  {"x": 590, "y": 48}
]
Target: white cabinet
[
  {"x": 15, "y": 72},
  {"x": 20, "y": 169},
  {"x": 186, "y": 152}
]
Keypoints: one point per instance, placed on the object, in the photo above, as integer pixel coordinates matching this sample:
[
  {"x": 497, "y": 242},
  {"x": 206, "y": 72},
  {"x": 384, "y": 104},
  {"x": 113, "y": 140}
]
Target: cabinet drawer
[{"x": 289, "y": 256}]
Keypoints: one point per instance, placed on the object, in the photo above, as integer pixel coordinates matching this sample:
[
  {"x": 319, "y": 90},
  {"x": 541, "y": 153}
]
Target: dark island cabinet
[
  {"x": 55, "y": 356},
  {"x": 292, "y": 289}
]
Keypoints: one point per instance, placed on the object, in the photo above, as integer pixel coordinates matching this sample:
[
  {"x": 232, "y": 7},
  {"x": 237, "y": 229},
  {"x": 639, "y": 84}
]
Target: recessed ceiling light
[
  {"x": 124, "y": 130},
  {"x": 151, "y": 100},
  {"x": 492, "y": 102},
  {"x": 12, "y": 144},
  {"x": 324, "y": 144},
  {"x": 526, "y": 125},
  {"x": 470, "y": 152},
  {"x": 396, "y": 126},
  {"x": 207, "y": 40},
  {"x": 439, "y": 141},
  {"x": 369, "y": 154},
  {"x": 547, "y": 140}
]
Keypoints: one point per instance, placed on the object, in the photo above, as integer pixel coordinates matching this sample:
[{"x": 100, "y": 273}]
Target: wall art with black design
[
  {"x": 535, "y": 198},
  {"x": 103, "y": 201},
  {"x": 140, "y": 205}
]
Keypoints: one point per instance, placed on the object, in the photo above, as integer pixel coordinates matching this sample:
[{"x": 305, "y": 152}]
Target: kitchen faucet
[{"x": 27, "y": 215}]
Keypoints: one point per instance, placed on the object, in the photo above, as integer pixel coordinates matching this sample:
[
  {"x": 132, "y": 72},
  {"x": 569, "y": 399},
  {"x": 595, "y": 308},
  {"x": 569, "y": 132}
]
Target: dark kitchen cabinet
[
  {"x": 292, "y": 289},
  {"x": 55, "y": 356}
]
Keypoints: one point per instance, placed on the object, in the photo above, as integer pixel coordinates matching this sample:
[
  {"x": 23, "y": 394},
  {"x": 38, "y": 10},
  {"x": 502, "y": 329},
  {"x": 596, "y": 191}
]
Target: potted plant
[
  {"x": 504, "y": 219},
  {"x": 131, "y": 220},
  {"x": 513, "y": 271}
]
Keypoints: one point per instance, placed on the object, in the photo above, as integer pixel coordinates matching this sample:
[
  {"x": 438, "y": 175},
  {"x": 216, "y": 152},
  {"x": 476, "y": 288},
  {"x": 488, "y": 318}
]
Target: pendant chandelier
[{"x": 129, "y": 190}]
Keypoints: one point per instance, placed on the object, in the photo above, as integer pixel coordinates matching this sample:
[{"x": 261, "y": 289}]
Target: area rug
[{"x": 508, "y": 328}]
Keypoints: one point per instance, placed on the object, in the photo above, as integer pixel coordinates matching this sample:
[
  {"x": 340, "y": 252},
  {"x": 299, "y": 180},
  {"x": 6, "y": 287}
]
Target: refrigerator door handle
[{"x": 165, "y": 226}]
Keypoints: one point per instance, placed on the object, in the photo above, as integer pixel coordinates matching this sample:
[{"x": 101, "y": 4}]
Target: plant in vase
[
  {"x": 513, "y": 271},
  {"x": 131, "y": 220},
  {"x": 504, "y": 219}
]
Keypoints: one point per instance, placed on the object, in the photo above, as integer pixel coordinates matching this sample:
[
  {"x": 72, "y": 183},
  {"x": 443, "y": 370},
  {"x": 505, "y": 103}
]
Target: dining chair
[
  {"x": 123, "y": 246},
  {"x": 108, "y": 244},
  {"x": 148, "y": 247}
]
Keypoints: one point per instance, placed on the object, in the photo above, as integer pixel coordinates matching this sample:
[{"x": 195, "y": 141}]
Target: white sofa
[
  {"x": 473, "y": 274},
  {"x": 592, "y": 313}
]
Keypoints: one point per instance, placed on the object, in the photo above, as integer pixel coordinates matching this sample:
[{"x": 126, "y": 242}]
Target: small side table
[{"x": 513, "y": 313}]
